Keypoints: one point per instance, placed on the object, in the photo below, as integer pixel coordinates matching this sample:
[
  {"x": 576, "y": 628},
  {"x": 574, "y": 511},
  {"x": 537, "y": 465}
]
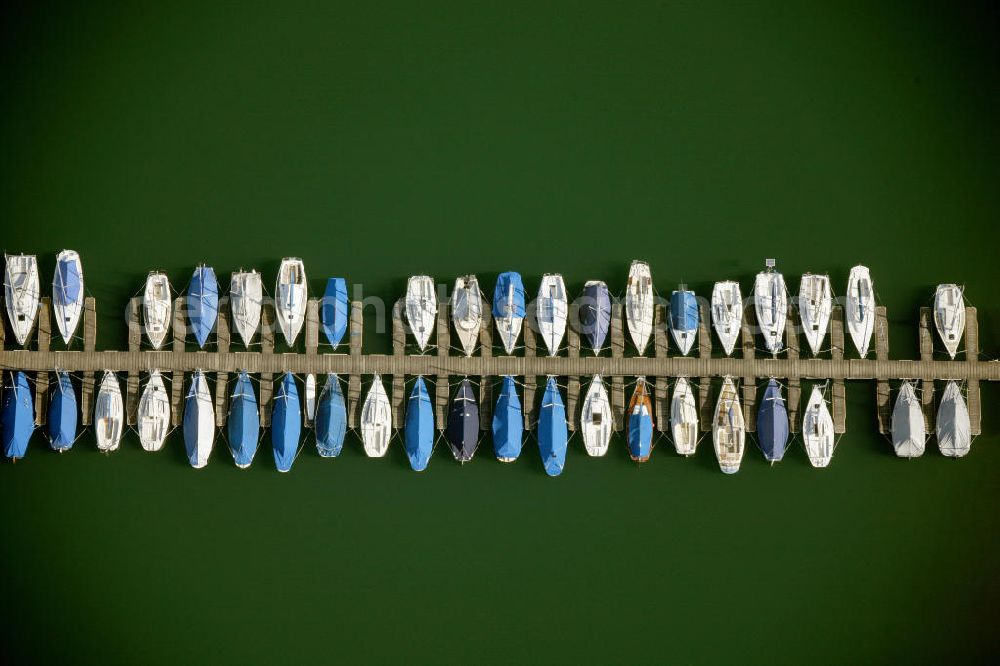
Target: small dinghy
[
  {"x": 22, "y": 293},
  {"x": 909, "y": 430},
  {"x": 109, "y": 414},
  {"x": 203, "y": 303},
  {"x": 331, "y": 418},
  {"x": 728, "y": 428},
  {"x": 553, "y": 430},
  {"x": 63, "y": 413},
  {"x": 246, "y": 294},
  {"x": 817, "y": 430},
  {"x": 949, "y": 316},
  {"x": 199, "y": 421},
  {"x": 684, "y": 418},
  {"x": 334, "y": 310},
  {"x": 462, "y": 432},
  {"x": 859, "y": 309},
  {"x": 17, "y": 416},
  {"x": 640, "y": 423},
  {"x": 508, "y": 423},
  {"x": 421, "y": 308},
  {"x": 418, "y": 432},
  {"x": 376, "y": 420},
  {"x": 243, "y": 422},
  {"x": 551, "y": 311},
  {"x": 67, "y": 293},
  {"x": 772, "y": 423},
  {"x": 639, "y": 305},
  {"x": 286, "y": 423},
  {"x": 290, "y": 298},
  {"x": 953, "y": 428},
  {"x": 157, "y": 308},
  {"x": 596, "y": 423},
  {"x": 815, "y": 306},
  {"x": 595, "y": 314},
  {"x": 467, "y": 312},
  {"x": 153, "y": 415},
  {"x": 683, "y": 318},
  {"x": 771, "y": 305},
  {"x": 727, "y": 313},
  {"x": 508, "y": 308},
  {"x": 310, "y": 400}
]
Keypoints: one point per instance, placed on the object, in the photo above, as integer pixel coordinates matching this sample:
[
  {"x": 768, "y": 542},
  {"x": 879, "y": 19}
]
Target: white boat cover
[
  {"x": 909, "y": 430},
  {"x": 954, "y": 431}
]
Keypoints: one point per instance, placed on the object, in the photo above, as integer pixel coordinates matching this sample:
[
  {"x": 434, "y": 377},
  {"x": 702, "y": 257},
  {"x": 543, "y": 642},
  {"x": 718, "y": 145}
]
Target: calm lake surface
[{"x": 384, "y": 141}]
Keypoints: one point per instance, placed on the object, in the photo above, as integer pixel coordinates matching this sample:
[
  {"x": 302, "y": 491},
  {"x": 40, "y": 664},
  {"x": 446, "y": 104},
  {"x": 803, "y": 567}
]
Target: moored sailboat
[
  {"x": 17, "y": 416},
  {"x": 418, "y": 431},
  {"x": 684, "y": 318},
  {"x": 949, "y": 316},
  {"x": 467, "y": 312},
  {"x": 157, "y": 308},
  {"x": 203, "y": 303},
  {"x": 771, "y": 306},
  {"x": 595, "y": 314},
  {"x": 508, "y": 423},
  {"x": 954, "y": 431},
  {"x": 243, "y": 422},
  {"x": 596, "y": 422},
  {"x": 462, "y": 431},
  {"x": 815, "y": 306},
  {"x": 684, "y": 418},
  {"x": 909, "y": 430},
  {"x": 331, "y": 418},
  {"x": 859, "y": 309},
  {"x": 63, "y": 413},
  {"x": 67, "y": 293},
  {"x": 153, "y": 414},
  {"x": 551, "y": 311},
  {"x": 727, "y": 313},
  {"x": 640, "y": 423},
  {"x": 246, "y": 295},
  {"x": 728, "y": 428},
  {"x": 21, "y": 294},
  {"x": 420, "y": 308},
  {"x": 817, "y": 430},
  {"x": 291, "y": 292},
  {"x": 508, "y": 308},
  {"x": 199, "y": 421},
  {"x": 553, "y": 430},
  {"x": 376, "y": 420},
  {"x": 639, "y": 305},
  {"x": 334, "y": 310},
  {"x": 286, "y": 423},
  {"x": 109, "y": 414},
  {"x": 772, "y": 423}
]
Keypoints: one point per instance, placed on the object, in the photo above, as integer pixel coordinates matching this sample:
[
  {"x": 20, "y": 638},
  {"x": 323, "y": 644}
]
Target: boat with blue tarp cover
[
  {"x": 333, "y": 310},
  {"x": 553, "y": 429},
  {"x": 331, "y": 418},
  {"x": 772, "y": 423},
  {"x": 243, "y": 423},
  {"x": 508, "y": 423},
  {"x": 418, "y": 431},
  {"x": 286, "y": 423},
  {"x": 63, "y": 413},
  {"x": 18, "y": 416},
  {"x": 203, "y": 303},
  {"x": 508, "y": 308}
]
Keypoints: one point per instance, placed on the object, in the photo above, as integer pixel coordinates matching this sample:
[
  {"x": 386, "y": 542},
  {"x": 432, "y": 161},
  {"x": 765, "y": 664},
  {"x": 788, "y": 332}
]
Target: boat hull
[
  {"x": 553, "y": 431},
  {"x": 17, "y": 416},
  {"x": 640, "y": 424},
  {"x": 286, "y": 424},
  {"x": 815, "y": 306},
  {"x": 596, "y": 422},
  {"x": 728, "y": 428},
  {"x": 771, "y": 307},
  {"x": 859, "y": 309},
  {"x": 21, "y": 294},
  {"x": 772, "y": 423},
  {"x": 376, "y": 420},
  {"x": 157, "y": 309},
  {"x": 684, "y": 320},
  {"x": 467, "y": 312},
  {"x": 246, "y": 294},
  {"x": 199, "y": 421},
  {"x": 462, "y": 431},
  {"x": 909, "y": 430},
  {"x": 420, "y": 309},
  {"x": 63, "y": 413},
  {"x": 954, "y": 430},
  {"x": 108, "y": 414},
  {"x": 684, "y": 418},
  {"x": 595, "y": 314},
  {"x": 639, "y": 305},
  {"x": 331, "y": 419},
  {"x": 508, "y": 423},
  {"x": 551, "y": 312},
  {"x": 334, "y": 311},
  {"x": 727, "y": 313},
  {"x": 817, "y": 430},
  {"x": 418, "y": 431},
  {"x": 153, "y": 414},
  {"x": 949, "y": 316},
  {"x": 291, "y": 293},
  {"x": 67, "y": 293},
  {"x": 243, "y": 422},
  {"x": 508, "y": 309}
]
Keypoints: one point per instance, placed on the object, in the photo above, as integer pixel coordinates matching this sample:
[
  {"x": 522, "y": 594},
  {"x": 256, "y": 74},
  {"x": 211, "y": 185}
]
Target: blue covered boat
[
  {"x": 684, "y": 318},
  {"x": 553, "y": 431},
  {"x": 17, "y": 418},
  {"x": 243, "y": 423},
  {"x": 508, "y": 308},
  {"x": 772, "y": 423},
  {"x": 334, "y": 310},
  {"x": 508, "y": 423},
  {"x": 595, "y": 314},
  {"x": 286, "y": 423},
  {"x": 203, "y": 303},
  {"x": 640, "y": 423},
  {"x": 418, "y": 433},
  {"x": 199, "y": 421},
  {"x": 63, "y": 413},
  {"x": 462, "y": 432},
  {"x": 331, "y": 418}
]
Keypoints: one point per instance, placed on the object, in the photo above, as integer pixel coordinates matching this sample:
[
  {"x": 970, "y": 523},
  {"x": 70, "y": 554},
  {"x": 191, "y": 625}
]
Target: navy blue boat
[
  {"x": 553, "y": 430},
  {"x": 243, "y": 423},
  {"x": 684, "y": 318},
  {"x": 463, "y": 423},
  {"x": 17, "y": 418},
  {"x": 331, "y": 418},
  {"x": 595, "y": 314},
  {"x": 418, "y": 434},
  {"x": 333, "y": 310},
  {"x": 63, "y": 414},
  {"x": 203, "y": 303},
  {"x": 286, "y": 423},
  {"x": 772, "y": 423},
  {"x": 508, "y": 423}
]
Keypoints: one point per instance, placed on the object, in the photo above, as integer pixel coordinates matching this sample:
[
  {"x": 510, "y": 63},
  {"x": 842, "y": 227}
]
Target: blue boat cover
[
  {"x": 552, "y": 430},
  {"x": 463, "y": 423},
  {"x": 508, "y": 422},
  {"x": 333, "y": 310},
  {"x": 595, "y": 314},
  {"x": 203, "y": 303},
  {"x": 67, "y": 283},
  {"x": 243, "y": 423},
  {"x": 286, "y": 423},
  {"x": 640, "y": 434},
  {"x": 331, "y": 419},
  {"x": 772, "y": 423},
  {"x": 683, "y": 311},
  {"x": 418, "y": 432},
  {"x": 62, "y": 413},
  {"x": 506, "y": 281},
  {"x": 17, "y": 417}
]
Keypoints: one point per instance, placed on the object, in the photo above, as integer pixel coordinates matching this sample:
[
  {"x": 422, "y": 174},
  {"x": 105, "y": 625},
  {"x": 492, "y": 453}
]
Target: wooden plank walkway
[
  {"x": 883, "y": 404},
  {"x": 794, "y": 379},
  {"x": 837, "y": 353},
  {"x": 661, "y": 403},
  {"x": 44, "y": 334}
]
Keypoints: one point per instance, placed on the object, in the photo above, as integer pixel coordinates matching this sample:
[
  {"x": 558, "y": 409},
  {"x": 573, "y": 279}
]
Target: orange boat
[{"x": 640, "y": 422}]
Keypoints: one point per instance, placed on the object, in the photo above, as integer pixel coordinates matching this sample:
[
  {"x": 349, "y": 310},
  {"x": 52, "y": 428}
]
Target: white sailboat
[
  {"x": 684, "y": 418},
  {"x": 727, "y": 313},
  {"x": 771, "y": 305},
  {"x": 954, "y": 431},
  {"x": 815, "y": 306},
  {"x": 310, "y": 399},
  {"x": 467, "y": 312},
  {"x": 376, "y": 420},
  {"x": 551, "y": 311},
  {"x": 859, "y": 308},
  {"x": 728, "y": 428},
  {"x": 199, "y": 421},
  {"x": 157, "y": 308},
  {"x": 596, "y": 422},
  {"x": 290, "y": 298},
  {"x": 108, "y": 413},
  {"x": 639, "y": 304},
  {"x": 246, "y": 294},
  {"x": 420, "y": 308},
  {"x": 817, "y": 430},
  {"x": 67, "y": 293},
  {"x": 949, "y": 316},
  {"x": 22, "y": 294},
  {"x": 153, "y": 415},
  {"x": 909, "y": 430}
]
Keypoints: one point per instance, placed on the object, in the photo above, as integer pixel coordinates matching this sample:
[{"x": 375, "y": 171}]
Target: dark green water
[{"x": 380, "y": 142}]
